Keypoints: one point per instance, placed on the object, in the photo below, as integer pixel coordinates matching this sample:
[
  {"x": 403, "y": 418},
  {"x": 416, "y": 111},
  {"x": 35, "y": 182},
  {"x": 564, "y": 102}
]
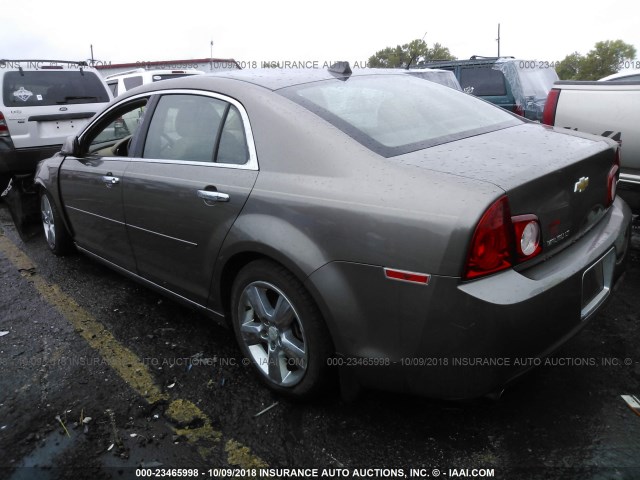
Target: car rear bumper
[
  {"x": 23, "y": 160},
  {"x": 453, "y": 339}
]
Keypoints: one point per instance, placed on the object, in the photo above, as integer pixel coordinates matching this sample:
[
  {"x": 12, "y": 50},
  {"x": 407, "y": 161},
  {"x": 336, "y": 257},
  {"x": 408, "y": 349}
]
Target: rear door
[
  {"x": 183, "y": 192},
  {"x": 91, "y": 185}
]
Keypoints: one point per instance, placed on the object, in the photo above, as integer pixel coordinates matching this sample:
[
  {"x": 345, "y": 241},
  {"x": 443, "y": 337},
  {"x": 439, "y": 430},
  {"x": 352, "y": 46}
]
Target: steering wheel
[{"x": 121, "y": 148}]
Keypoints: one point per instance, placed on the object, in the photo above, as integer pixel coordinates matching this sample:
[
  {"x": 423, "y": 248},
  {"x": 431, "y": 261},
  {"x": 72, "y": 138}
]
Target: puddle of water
[{"x": 40, "y": 463}]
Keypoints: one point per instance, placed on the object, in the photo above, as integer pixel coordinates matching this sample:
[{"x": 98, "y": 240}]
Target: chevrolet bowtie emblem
[{"x": 581, "y": 185}]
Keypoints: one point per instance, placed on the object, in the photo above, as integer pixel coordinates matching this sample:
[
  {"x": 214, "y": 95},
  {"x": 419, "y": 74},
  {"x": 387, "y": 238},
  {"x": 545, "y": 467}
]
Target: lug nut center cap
[{"x": 273, "y": 334}]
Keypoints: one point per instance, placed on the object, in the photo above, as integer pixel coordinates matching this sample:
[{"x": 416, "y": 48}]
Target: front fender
[{"x": 47, "y": 178}]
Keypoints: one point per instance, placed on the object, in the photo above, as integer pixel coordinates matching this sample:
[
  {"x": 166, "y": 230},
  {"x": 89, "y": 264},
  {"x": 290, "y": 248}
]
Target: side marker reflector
[{"x": 404, "y": 276}]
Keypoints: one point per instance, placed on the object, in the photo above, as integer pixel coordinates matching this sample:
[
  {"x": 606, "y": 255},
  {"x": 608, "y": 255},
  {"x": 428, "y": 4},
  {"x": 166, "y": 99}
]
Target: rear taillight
[
  {"x": 492, "y": 240},
  {"x": 549, "y": 113},
  {"x": 501, "y": 241},
  {"x": 612, "y": 179},
  {"x": 4, "y": 128},
  {"x": 518, "y": 110}
]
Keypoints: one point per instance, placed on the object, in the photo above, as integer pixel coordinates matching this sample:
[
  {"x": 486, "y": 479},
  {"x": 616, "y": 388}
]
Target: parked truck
[{"x": 610, "y": 109}]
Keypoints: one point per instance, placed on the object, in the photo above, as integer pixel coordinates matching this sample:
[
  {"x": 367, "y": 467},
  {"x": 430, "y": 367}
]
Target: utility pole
[
  {"x": 92, "y": 61},
  {"x": 498, "y": 40},
  {"x": 211, "y": 58}
]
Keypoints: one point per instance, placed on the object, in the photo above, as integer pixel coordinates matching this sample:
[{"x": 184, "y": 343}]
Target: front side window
[
  {"x": 196, "y": 128},
  {"x": 116, "y": 128},
  {"x": 52, "y": 87}
]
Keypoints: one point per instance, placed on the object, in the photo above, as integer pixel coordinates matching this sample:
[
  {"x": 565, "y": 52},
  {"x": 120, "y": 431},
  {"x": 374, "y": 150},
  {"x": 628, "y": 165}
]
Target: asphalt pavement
[{"x": 103, "y": 378}]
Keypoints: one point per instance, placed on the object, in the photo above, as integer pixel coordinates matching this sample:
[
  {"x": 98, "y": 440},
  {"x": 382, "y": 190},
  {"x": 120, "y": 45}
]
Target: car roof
[
  {"x": 268, "y": 78},
  {"x": 275, "y": 79},
  {"x": 475, "y": 60},
  {"x": 142, "y": 71},
  {"x": 620, "y": 75}
]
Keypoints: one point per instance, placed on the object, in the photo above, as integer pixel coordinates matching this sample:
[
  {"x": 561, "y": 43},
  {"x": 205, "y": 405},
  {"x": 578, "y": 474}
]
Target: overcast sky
[{"x": 328, "y": 30}]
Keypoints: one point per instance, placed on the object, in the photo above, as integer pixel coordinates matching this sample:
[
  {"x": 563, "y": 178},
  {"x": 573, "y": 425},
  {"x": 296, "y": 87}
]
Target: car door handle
[
  {"x": 110, "y": 180},
  {"x": 210, "y": 196}
]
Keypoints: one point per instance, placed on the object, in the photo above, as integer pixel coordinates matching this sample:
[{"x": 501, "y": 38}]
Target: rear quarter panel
[{"x": 320, "y": 197}]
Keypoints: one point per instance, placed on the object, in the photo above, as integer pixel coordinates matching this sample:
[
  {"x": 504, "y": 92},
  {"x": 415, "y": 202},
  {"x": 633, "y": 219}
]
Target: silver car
[{"x": 392, "y": 232}]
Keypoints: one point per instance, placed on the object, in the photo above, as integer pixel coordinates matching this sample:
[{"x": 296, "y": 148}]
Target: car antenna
[{"x": 341, "y": 69}]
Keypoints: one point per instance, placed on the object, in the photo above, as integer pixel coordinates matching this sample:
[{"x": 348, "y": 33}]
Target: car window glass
[
  {"x": 120, "y": 124},
  {"x": 114, "y": 88},
  {"x": 52, "y": 87},
  {"x": 233, "y": 142},
  {"x": 132, "y": 82},
  {"x": 396, "y": 114},
  {"x": 482, "y": 80},
  {"x": 185, "y": 127}
]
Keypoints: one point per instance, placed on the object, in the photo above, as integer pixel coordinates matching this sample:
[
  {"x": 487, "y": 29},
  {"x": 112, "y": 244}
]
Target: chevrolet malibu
[{"x": 369, "y": 227}]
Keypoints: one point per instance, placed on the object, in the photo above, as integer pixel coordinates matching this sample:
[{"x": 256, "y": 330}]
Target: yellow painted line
[{"x": 128, "y": 365}]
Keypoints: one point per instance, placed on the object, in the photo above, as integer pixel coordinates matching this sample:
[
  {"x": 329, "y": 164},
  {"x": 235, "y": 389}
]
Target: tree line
[{"x": 607, "y": 57}]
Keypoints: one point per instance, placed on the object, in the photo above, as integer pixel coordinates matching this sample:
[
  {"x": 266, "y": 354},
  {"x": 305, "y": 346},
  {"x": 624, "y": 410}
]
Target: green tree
[
  {"x": 604, "y": 59},
  {"x": 415, "y": 52},
  {"x": 569, "y": 68}
]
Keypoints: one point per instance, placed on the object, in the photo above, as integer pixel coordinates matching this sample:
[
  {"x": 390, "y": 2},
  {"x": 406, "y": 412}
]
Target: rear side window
[
  {"x": 482, "y": 80},
  {"x": 132, "y": 82},
  {"x": 396, "y": 114},
  {"x": 44, "y": 88}
]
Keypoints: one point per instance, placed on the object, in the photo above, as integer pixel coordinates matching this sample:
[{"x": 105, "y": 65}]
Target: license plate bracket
[{"x": 597, "y": 281}]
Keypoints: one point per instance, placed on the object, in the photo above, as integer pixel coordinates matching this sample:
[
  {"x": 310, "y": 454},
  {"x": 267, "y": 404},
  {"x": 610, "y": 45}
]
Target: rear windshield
[
  {"x": 44, "y": 87},
  {"x": 483, "y": 80},
  {"x": 396, "y": 114}
]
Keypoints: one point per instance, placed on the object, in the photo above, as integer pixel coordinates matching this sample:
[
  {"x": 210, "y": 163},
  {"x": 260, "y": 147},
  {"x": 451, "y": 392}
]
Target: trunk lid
[{"x": 559, "y": 176}]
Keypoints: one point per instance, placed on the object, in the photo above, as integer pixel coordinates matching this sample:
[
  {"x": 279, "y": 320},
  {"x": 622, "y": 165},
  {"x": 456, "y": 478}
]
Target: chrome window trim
[{"x": 252, "y": 163}]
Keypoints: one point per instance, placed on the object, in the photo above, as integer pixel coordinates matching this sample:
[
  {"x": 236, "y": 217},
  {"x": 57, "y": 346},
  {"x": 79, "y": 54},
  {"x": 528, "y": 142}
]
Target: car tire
[
  {"x": 280, "y": 330},
  {"x": 55, "y": 233},
  {"x": 4, "y": 182}
]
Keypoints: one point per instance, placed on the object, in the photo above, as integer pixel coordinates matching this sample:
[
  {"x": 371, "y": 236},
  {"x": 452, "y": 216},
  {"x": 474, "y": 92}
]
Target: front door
[{"x": 92, "y": 185}]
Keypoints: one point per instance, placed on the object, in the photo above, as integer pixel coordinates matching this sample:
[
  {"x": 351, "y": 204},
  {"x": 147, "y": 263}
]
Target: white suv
[
  {"x": 42, "y": 102},
  {"x": 121, "y": 82}
]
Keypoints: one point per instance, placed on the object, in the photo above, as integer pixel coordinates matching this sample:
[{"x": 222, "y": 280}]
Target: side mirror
[{"x": 71, "y": 146}]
